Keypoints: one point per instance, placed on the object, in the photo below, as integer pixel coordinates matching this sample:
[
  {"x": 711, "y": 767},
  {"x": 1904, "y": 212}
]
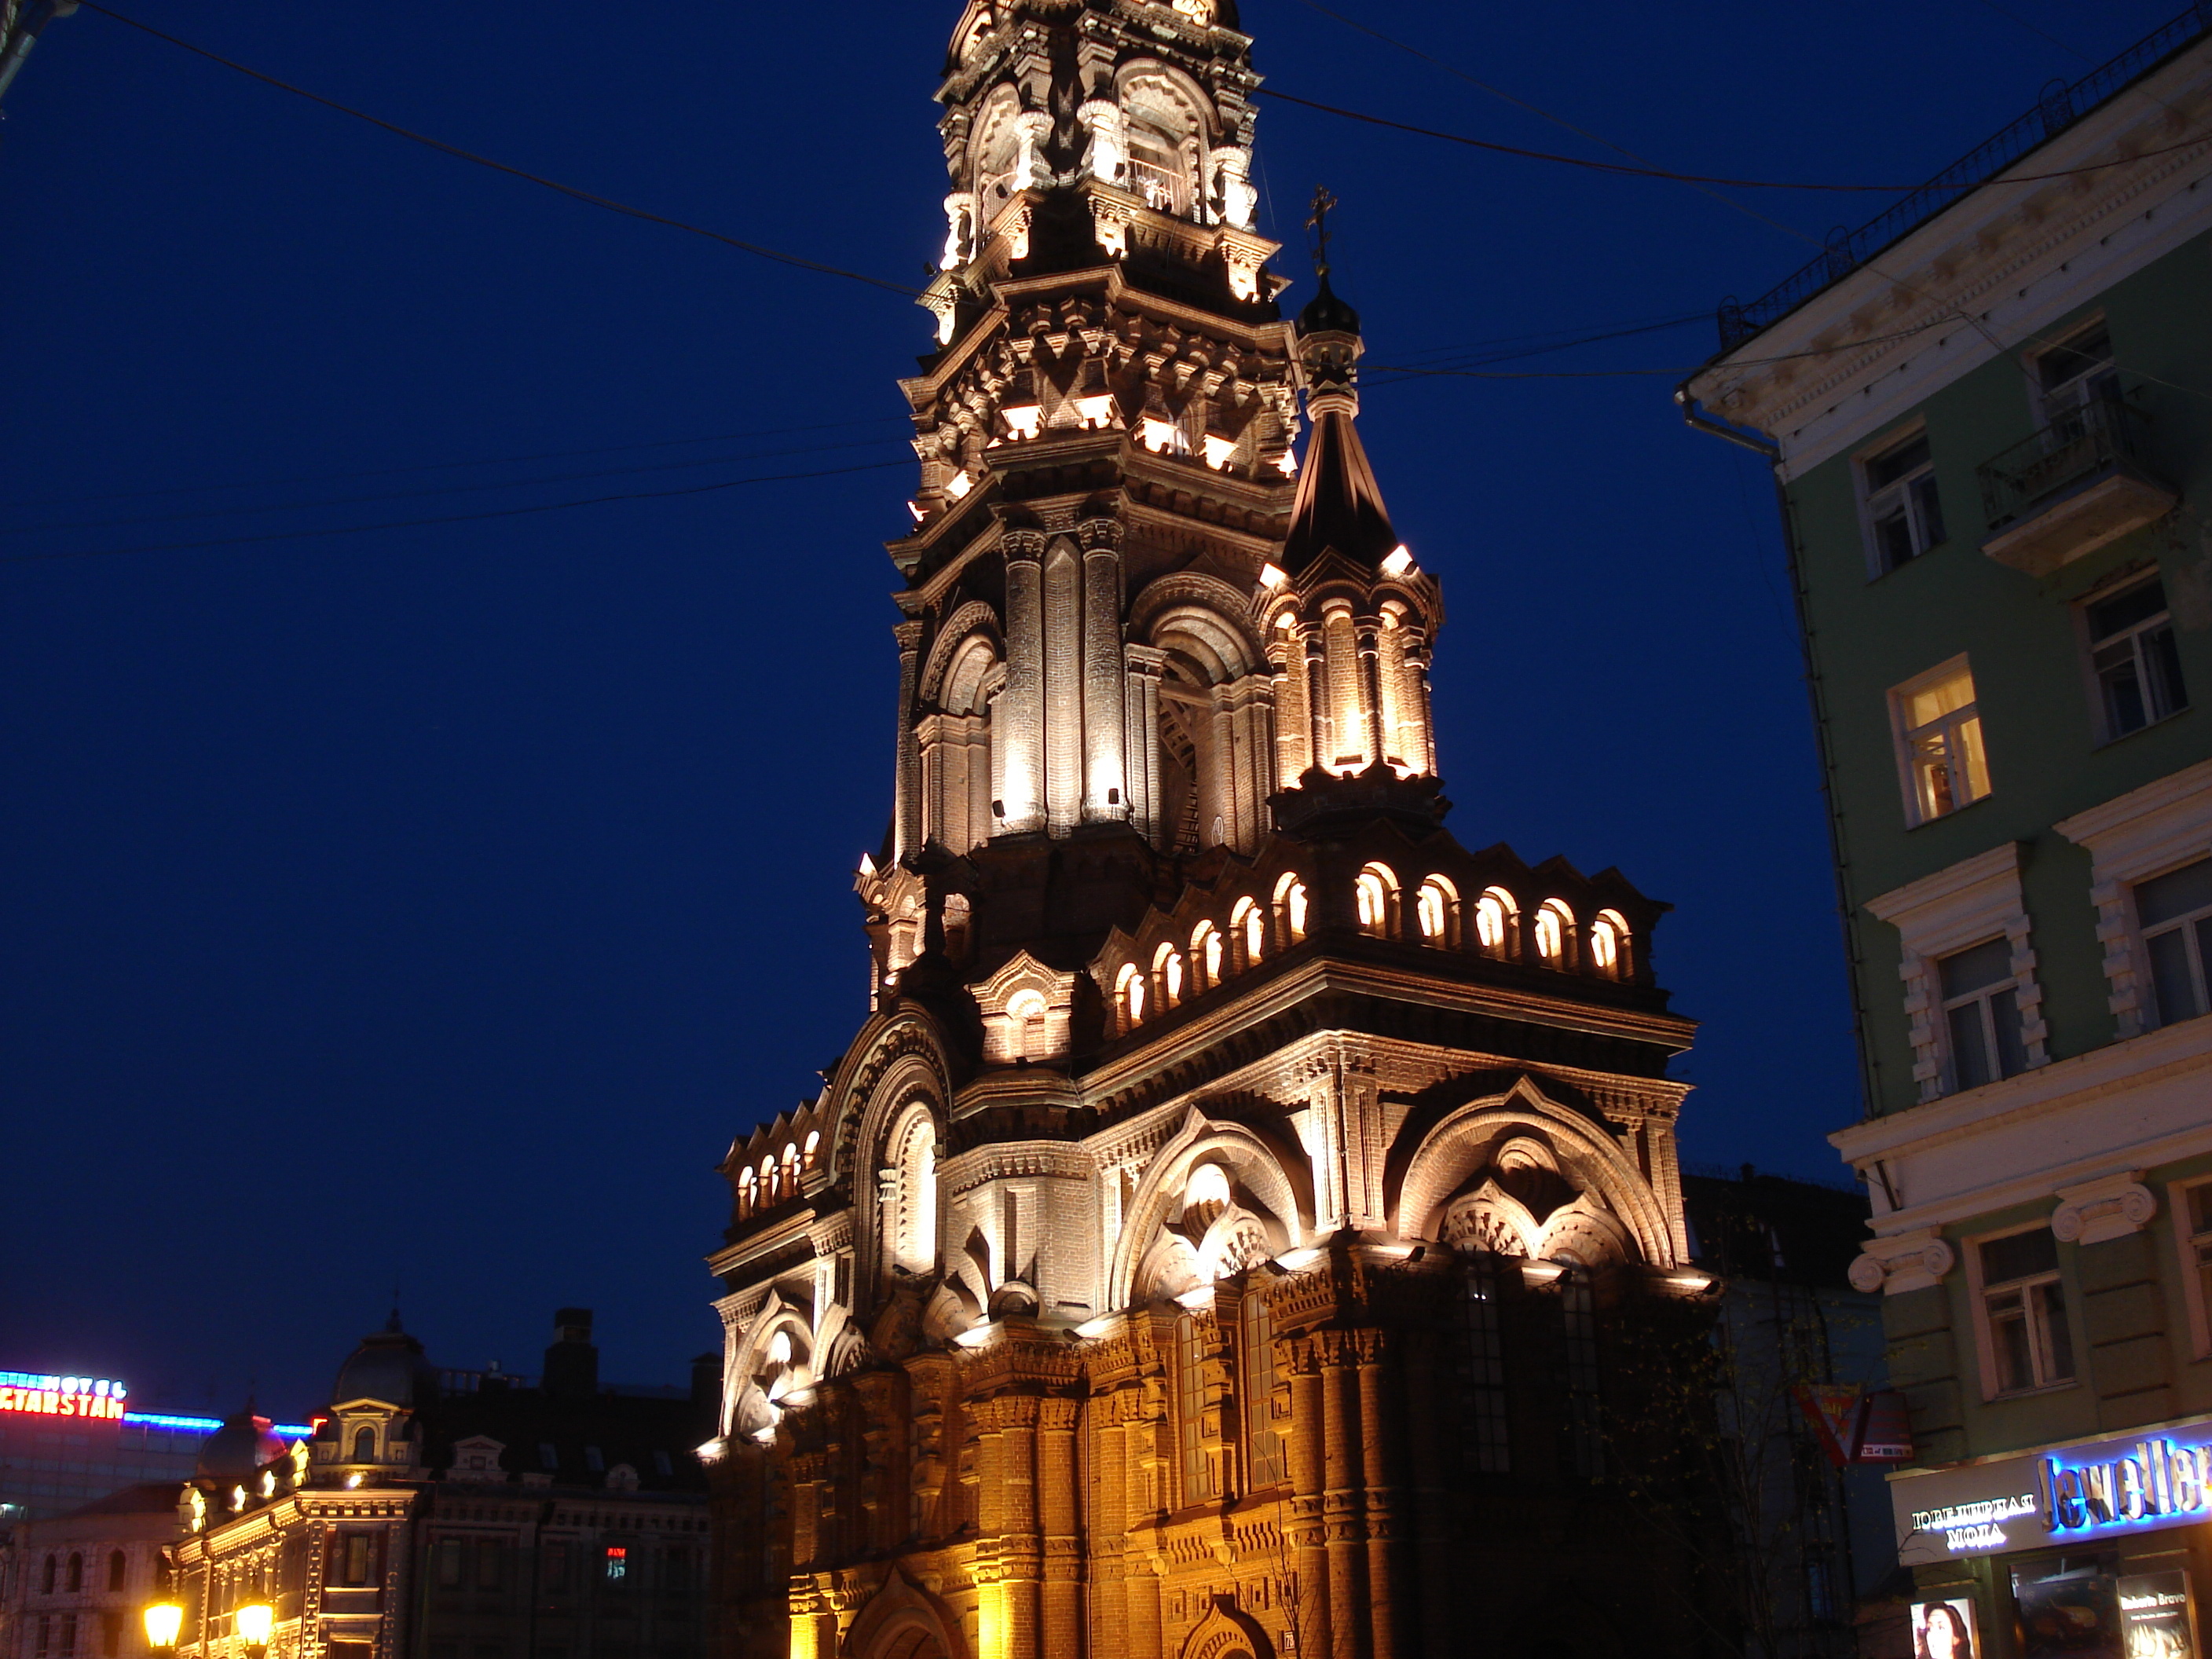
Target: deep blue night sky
[{"x": 432, "y": 905}]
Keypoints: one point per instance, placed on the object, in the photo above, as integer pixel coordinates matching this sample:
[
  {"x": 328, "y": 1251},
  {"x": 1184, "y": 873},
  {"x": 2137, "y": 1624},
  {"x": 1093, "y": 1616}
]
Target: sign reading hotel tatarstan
[{"x": 38, "y": 1396}]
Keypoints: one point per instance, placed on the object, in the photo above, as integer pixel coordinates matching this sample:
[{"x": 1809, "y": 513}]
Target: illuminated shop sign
[
  {"x": 2095, "y": 1490},
  {"x": 2124, "y": 1486},
  {"x": 61, "y": 1396}
]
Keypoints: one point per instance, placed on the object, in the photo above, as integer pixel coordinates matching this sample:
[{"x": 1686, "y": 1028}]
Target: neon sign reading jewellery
[
  {"x": 2149, "y": 1483},
  {"x": 61, "y": 1396}
]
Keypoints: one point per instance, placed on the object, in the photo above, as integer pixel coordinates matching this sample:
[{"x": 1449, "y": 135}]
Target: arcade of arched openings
[{"x": 1228, "y": 1233}]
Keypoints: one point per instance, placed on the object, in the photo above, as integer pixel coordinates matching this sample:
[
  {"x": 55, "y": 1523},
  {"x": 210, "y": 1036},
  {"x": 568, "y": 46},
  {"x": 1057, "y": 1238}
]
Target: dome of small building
[
  {"x": 388, "y": 1367},
  {"x": 240, "y": 1450},
  {"x": 1327, "y": 314}
]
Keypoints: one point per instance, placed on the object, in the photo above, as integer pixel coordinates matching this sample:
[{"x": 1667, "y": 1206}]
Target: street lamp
[
  {"x": 165, "y": 1620},
  {"x": 255, "y": 1621}
]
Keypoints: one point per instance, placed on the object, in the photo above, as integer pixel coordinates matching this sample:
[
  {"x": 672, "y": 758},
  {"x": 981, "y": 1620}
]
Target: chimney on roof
[{"x": 572, "y": 1363}]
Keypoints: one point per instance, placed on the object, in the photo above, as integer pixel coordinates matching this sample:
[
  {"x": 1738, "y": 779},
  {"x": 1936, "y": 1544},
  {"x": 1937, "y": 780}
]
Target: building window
[
  {"x": 1488, "y": 1442},
  {"x": 1190, "y": 1411},
  {"x": 1938, "y": 724},
  {"x": 2193, "y": 1208},
  {"x": 1981, "y": 1014},
  {"x": 1552, "y": 923},
  {"x": 46, "y": 1578},
  {"x": 1432, "y": 908},
  {"x": 117, "y": 1567},
  {"x": 491, "y": 1563},
  {"x": 1371, "y": 895},
  {"x": 1904, "y": 516},
  {"x": 1269, "y": 1465},
  {"x": 364, "y": 1446},
  {"x": 449, "y": 1563},
  {"x": 110, "y": 1635},
  {"x": 1608, "y": 945},
  {"x": 2074, "y": 374},
  {"x": 2174, "y": 912},
  {"x": 1494, "y": 913},
  {"x": 2133, "y": 659},
  {"x": 69, "y": 1634},
  {"x": 356, "y": 1559},
  {"x": 45, "y": 1634},
  {"x": 2024, "y": 1311},
  {"x": 618, "y": 1564},
  {"x": 75, "y": 1573},
  {"x": 1579, "y": 1398}
]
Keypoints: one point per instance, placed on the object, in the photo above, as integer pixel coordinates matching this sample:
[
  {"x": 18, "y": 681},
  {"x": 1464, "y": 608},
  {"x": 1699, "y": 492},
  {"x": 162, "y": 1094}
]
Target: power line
[
  {"x": 448, "y": 466},
  {"x": 438, "y": 489},
  {"x": 445, "y": 148},
  {"x": 453, "y": 518},
  {"x": 1692, "y": 177}
]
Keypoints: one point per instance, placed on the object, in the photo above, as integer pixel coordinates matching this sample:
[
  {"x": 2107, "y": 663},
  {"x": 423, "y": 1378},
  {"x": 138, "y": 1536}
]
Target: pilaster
[
  {"x": 1018, "y": 755},
  {"x": 1105, "y": 736}
]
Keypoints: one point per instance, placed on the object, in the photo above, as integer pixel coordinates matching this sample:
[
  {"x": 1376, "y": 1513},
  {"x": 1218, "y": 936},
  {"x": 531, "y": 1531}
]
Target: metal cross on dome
[{"x": 1322, "y": 202}]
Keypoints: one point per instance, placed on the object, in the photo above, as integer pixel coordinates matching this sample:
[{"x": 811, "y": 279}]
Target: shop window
[
  {"x": 1981, "y": 1014},
  {"x": 1937, "y": 722},
  {"x": 1904, "y": 511},
  {"x": 2133, "y": 660},
  {"x": 2174, "y": 912},
  {"x": 2024, "y": 1321}
]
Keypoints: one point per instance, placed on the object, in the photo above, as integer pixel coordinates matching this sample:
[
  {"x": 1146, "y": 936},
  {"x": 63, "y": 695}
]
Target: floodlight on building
[
  {"x": 1400, "y": 562},
  {"x": 1271, "y": 577}
]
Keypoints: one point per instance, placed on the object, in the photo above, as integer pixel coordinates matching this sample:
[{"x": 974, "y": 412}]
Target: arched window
[
  {"x": 748, "y": 1191},
  {"x": 1372, "y": 889},
  {"x": 1433, "y": 907},
  {"x": 814, "y": 1147},
  {"x": 910, "y": 1172},
  {"x": 1247, "y": 921},
  {"x": 364, "y": 1446},
  {"x": 1167, "y": 965},
  {"x": 1267, "y": 1466},
  {"x": 790, "y": 1168},
  {"x": 117, "y": 1567},
  {"x": 1129, "y": 994},
  {"x": 1553, "y": 922},
  {"x": 1608, "y": 945},
  {"x": 76, "y": 1572},
  {"x": 771, "y": 1182},
  {"x": 1206, "y": 954},
  {"x": 1025, "y": 1011},
  {"x": 1291, "y": 903},
  {"x": 1494, "y": 915},
  {"x": 46, "y": 1579}
]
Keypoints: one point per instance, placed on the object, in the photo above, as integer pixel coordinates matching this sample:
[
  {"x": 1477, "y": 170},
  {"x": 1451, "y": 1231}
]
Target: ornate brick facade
[{"x": 1214, "y": 1241}]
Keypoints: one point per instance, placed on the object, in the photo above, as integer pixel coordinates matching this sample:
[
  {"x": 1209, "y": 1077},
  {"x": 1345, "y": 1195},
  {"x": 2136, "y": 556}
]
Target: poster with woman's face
[{"x": 1944, "y": 1630}]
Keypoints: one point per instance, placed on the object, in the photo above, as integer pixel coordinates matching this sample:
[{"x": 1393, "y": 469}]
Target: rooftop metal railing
[
  {"x": 2080, "y": 444},
  {"x": 2060, "y": 107}
]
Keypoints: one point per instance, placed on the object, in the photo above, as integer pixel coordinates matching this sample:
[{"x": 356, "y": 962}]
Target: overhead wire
[
  {"x": 448, "y": 466},
  {"x": 451, "y": 518},
  {"x": 590, "y": 198},
  {"x": 438, "y": 489}
]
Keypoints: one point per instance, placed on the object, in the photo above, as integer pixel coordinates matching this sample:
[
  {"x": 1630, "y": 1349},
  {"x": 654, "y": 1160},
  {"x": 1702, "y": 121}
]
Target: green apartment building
[{"x": 1990, "y": 417}]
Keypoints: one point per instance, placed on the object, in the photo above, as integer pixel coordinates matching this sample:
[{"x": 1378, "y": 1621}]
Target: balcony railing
[
  {"x": 2060, "y": 106},
  {"x": 1165, "y": 190},
  {"x": 2081, "y": 482}
]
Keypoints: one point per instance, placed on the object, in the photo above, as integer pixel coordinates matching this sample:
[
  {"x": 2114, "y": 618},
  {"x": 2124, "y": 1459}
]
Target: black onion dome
[
  {"x": 1327, "y": 314},
  {"x": 388, "y": 1367},
  {"x": 240, "y": 1450}
]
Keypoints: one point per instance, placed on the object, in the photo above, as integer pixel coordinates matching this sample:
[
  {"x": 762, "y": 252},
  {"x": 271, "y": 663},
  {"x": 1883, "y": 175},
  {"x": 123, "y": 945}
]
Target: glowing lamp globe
[
  {"x": 254, "y": 1622},
  {"x": 164, "y": 1620}
]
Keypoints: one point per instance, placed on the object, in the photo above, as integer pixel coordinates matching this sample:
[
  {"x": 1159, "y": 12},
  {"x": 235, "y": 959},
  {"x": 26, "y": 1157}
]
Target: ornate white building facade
[{"x": 1213, "y": 1240}]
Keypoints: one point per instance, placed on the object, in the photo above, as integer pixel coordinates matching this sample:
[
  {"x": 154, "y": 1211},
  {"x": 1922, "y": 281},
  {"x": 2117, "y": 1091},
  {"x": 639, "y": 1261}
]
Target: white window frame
[
  {"x": 2052, "y": 403},
  {"x": 1901, "y": 736},
  {"x": 1875, "y": 501},
  {"x": 2092, "y": 685},
  {"x": 1985, "y": 1337},
  {"x": 1983, "y": 997},
  {"x": 2194, "y": 1271},
  {"x": 2147, "y": 832},
  {"x": 1969, "y": 903}
]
